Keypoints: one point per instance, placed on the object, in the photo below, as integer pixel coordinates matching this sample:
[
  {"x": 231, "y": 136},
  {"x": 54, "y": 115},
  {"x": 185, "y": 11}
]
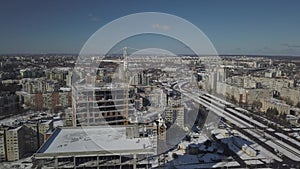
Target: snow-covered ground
[
  {"x": 263, "y": 154},
  {"x": 11, "y": 120},
  {"x": 208, "y": 156},
  {"x": 58, "y": 123}
]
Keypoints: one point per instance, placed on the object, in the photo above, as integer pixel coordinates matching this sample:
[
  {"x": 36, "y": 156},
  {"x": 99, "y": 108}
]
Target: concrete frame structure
[
  {"x": 99, "y": 105},
  {"x": 96, "y": 152}
]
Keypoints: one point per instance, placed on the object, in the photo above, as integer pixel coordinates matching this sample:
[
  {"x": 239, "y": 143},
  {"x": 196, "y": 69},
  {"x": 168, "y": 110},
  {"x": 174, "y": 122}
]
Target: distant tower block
[{"x": 162, "y": 129}]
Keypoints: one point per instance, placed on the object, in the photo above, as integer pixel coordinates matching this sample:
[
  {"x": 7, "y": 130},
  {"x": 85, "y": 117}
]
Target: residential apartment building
[
  {"x": 15, "y": 145},
  {"x": 51, "y": 101},
  {"x": 2, "y": 146},
  {"x": 9, "y": 103},
  {"x": 243, "y": 95},
  {"x": 19, "y": 142},
  {"x": 174, "y": 113},
  {"x": 280, "y": 105}
]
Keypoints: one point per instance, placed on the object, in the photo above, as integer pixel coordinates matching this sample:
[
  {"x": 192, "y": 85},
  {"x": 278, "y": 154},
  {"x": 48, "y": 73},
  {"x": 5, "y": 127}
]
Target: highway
[
  {"x": 250, "y": 126},
  {"x": 267, "y": 133}
]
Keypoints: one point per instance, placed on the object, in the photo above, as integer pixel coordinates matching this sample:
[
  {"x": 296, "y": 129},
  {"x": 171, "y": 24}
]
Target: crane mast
[{"x": 126, "y": 85}]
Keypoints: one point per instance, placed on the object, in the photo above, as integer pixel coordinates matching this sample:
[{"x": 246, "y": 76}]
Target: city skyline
[
  {"x": 149, "y": 84},
  {"x": 233, "y": 27}
]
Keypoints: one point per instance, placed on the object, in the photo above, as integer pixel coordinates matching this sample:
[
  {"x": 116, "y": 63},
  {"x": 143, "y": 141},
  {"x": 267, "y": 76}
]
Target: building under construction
[
  {"x": 104, "y": 106},
  {"x": 101, "y": 94},
  {"x": 101, "y": 105},
  {"x": 96, "y": 148}
]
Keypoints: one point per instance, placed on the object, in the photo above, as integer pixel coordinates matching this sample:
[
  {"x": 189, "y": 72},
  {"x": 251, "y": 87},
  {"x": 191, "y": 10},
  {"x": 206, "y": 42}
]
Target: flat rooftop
[{"x": 93, "y": 139}]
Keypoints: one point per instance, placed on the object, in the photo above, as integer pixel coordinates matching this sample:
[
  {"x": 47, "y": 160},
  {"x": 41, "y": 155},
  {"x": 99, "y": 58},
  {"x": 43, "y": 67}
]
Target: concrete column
[
  {"x": 98, "y": 162},
  {"x": 74, "y": 162},
  {"x": 55, "y": 162},
  {"x": 147, "y": 161},
  {"x": 134, "y": 161},
  {"x": 120, "y": 161}
]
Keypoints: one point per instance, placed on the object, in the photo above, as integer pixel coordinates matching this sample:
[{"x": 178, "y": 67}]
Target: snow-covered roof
[
  {"x": 58, "y": 123},
  {"x": 47, "y": 122},
  {"x": 98, "y": 138},
  {"x": 65, "y": 89}
]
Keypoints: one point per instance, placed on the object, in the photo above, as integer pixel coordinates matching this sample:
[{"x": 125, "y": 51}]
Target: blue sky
[{"x": 234, "y": 27}]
